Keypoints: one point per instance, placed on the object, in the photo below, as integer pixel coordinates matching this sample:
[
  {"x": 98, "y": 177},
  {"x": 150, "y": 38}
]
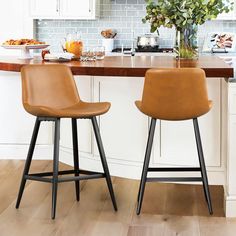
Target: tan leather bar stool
[
  {"x": 174, "y": 94},
  {"x": 50, "y": 93}
]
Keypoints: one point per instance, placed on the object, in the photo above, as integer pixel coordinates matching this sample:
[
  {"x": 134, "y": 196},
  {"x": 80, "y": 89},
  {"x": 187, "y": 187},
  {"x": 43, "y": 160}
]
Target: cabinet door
[
  {"x": 175, "y": 141},
  {"x": 44, "y": 8},
  {"x": 124, "y": 128},
  {"x": 76, "y": 8}
]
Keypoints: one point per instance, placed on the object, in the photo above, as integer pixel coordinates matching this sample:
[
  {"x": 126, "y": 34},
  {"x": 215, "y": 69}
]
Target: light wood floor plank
[
  {"x": 16, "y": 222},
  {"x": 145, "y": 231},
  {"x": 181, "y": 200},
  {"x": 168, "y": 209},
  {"x": 155, "y": 197},
  {"x": 217, "y": 196},
  {"x": 182, "y": 226},
  {"x": 84, "y": 214},
  {"x": 117, "y": 223},
  {"x": 10, "y": 181},
  {"x": 219, "y": 226}
]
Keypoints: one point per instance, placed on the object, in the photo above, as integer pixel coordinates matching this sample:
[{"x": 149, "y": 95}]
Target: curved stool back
[
  {"x": 174, "y": 94},
  {"x": 50, "y": 86}
]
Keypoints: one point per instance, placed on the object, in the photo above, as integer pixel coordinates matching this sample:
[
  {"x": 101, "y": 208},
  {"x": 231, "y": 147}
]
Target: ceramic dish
[{"x": 25, "y": 49}]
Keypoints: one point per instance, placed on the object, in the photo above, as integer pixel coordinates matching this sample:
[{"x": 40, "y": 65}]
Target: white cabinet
[
  {"x": 64, "y": 9},
  {"x": 77, "y": 8},
  {"x": 123, "y": 129},
  {"x": 44, "y": 8}
]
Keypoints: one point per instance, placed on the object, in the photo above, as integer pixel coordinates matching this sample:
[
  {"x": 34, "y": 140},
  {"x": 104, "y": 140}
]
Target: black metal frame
[
  {"x": 146, "y": 168},
  {"x": 54, "y": 180}
]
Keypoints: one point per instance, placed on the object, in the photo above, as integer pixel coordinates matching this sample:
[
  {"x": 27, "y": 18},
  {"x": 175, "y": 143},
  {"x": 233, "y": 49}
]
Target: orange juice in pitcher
[{"x": 74, "y": 44}]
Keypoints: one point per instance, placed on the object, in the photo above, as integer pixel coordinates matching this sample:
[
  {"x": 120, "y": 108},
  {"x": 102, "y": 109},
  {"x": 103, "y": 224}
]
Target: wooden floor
[{"x": 168, "y": 209}]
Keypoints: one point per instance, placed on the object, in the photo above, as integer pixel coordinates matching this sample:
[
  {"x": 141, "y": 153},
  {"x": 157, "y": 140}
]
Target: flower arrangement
[{"x": 184, "y": 15}]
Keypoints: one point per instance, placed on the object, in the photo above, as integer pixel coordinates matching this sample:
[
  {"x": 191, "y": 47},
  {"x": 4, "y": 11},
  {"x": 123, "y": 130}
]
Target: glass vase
[{"x": 186, "y": 43}]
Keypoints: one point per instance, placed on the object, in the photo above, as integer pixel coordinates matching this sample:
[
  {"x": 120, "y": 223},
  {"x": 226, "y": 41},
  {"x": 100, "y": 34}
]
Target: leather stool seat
[
  {"x": 78, "y": 110},
  {"x": 188, "y": 114}
]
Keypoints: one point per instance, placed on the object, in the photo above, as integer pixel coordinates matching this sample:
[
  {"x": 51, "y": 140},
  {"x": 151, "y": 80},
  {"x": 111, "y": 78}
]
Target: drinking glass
[
  {"x": 99, "y": 52},
  {"x": 91, "y": 54},
  {"x": 88, "y": 54}
]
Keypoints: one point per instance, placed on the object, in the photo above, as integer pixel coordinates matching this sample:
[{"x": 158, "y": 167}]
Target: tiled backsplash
[{"x": 122, "y": 16}]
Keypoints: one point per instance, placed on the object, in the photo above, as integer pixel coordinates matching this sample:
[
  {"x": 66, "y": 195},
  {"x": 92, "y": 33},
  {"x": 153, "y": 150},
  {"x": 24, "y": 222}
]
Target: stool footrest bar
[
  {"x": 42, "y": 178},
  {"x": 177, "y": 169},
  {"x": 38, "y": 178},
  {"x": 174, "y": 179},
  {"x": 81, "y": 177},
  {"x": 65, "y": 172}
]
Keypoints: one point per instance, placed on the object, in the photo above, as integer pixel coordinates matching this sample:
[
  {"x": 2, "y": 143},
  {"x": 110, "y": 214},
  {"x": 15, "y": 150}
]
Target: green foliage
[{"x": 182, "y": 14}]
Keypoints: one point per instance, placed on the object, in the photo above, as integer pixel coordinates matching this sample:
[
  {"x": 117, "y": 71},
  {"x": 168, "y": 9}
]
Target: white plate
[
  {"x": 25, "y": 49},
  {"x": 35, "y": 46}
]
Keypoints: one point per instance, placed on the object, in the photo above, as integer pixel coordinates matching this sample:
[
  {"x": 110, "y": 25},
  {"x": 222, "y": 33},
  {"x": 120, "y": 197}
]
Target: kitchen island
[
  {"x": 124, "y": 129},
  {"x": 134, "y": 66}
]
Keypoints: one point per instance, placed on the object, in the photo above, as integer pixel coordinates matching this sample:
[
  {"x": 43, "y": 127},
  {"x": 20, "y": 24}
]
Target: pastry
[{"x": 22, "y": 42}]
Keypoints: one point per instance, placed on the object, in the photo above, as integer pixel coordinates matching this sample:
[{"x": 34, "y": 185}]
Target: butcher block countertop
[{"x": 129, "y": 66}]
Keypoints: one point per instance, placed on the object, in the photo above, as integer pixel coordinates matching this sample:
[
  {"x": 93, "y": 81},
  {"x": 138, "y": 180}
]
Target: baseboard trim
[
  {"x": 120, "y": 168},
  {"x": 230, "y": 205}
]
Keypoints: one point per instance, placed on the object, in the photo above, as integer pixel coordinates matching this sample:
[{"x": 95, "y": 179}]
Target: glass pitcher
[{"x": 74, "y": 44}]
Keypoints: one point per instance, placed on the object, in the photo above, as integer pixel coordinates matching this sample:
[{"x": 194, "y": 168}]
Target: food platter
[
  {"x": 25, "y": 49},
  {"x": 36, "y": 46}
]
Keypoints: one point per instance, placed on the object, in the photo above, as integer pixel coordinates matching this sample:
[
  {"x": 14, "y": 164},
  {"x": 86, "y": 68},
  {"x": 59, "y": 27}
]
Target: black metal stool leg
[
  {"x": 76, "y": 156},
  {"x": 202, "y": 165},
  {"x": 55, "y": 167},
  {"x": 104, "y": 162},
  {"x": 28, "y": 161},
  {"x": 146, "y": 164}
]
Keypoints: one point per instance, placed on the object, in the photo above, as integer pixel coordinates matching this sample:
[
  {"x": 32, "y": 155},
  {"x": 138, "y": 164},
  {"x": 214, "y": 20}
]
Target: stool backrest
[
  {"x": 50, "y": 86},
  {"x": 175, "y": 94}
]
